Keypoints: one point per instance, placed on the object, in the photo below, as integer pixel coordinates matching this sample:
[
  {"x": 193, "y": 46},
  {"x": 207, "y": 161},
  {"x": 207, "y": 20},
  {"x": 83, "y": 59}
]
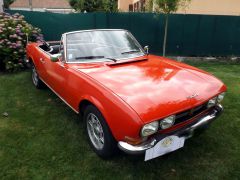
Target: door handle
[
  {"x": 62, "y": 65},
  {"x": 42, "y": 60}
]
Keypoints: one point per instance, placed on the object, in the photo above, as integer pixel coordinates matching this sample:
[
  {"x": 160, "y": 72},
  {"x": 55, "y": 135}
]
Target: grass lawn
[{"x": 42, "y": 138}]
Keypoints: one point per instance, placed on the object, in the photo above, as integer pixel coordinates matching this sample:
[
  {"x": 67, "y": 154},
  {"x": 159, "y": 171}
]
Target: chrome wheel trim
[
  {"x": 95, "y": 131},
  {"x": 34, "y": 76}
]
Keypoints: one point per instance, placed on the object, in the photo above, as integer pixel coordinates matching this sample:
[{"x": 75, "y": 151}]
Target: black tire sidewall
[
  {"x": 109, "y": 147},
  {"x": 39, "y": 84}
]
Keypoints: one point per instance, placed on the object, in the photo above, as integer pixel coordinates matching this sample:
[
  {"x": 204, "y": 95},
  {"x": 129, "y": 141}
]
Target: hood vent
[{"x": 120, "y": 62}]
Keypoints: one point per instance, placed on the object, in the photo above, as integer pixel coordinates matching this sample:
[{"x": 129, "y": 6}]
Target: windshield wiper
[
  {"x": 131, "y": 51},
  {"x": 96, "y": 57},
  {"x": 90, "y": 57},
  {"x": 114, "y": 60}
]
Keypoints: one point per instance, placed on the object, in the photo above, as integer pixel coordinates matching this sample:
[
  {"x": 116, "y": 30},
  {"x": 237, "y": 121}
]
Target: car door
[
  {"x": 57, "y": 75},
  {"x": 39, "y": 62}
]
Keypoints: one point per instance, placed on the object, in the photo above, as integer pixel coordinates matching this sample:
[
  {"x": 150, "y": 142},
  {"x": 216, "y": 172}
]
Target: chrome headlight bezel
[
  {"x": 212, "y": 102},
  {"x": 220, "y": 97},
  {"x": 167, "y": 122},
  {"x": 149, "y": 129}
]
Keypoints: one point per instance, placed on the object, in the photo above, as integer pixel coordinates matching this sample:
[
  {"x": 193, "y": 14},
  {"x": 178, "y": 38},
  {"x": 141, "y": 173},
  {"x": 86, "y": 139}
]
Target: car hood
[{"x": 157, "y": 87}]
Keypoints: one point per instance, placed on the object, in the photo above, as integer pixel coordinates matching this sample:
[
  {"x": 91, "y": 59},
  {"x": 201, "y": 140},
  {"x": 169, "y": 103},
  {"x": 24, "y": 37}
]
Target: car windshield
[{"x": 101, "y": 45}]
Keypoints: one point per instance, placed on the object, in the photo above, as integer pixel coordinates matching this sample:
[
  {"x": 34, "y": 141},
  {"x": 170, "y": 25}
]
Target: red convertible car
[{"x": 129, "y": 99}]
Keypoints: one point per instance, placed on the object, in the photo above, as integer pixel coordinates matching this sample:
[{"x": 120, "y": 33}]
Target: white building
[
  {"x": 1, "y": 6},
  {"x": 58, "y": 6}
]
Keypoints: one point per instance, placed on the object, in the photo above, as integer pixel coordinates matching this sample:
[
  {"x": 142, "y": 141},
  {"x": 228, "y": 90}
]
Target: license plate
[{"x": 166, "y": 145}]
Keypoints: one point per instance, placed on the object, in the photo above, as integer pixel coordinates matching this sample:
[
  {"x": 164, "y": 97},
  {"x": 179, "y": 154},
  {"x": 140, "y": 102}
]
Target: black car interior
[{"x": 52, "y": 48}]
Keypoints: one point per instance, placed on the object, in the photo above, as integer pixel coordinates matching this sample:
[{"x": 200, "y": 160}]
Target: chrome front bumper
[{"x": 185, "y": 132}]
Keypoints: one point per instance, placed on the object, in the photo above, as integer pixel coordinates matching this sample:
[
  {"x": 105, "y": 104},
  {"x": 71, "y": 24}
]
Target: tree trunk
[
  {"x": 165, "y": 35},
  {"x": 1, "y": 6},
  {"x": 2, "y": 65},
  {"x": 30, "y": 5}
]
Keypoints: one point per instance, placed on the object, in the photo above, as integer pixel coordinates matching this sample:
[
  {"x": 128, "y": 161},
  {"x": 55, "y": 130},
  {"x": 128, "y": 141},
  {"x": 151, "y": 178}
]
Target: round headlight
[
  {"x": 150, "y": 129},
  {"x": 212, "y": 102},
  {"x": 167, "y": 122},
  {"x": 220, "y": 97}
]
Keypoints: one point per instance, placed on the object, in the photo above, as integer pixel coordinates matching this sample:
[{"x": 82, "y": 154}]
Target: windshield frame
[{"x": 64, "y": 37}]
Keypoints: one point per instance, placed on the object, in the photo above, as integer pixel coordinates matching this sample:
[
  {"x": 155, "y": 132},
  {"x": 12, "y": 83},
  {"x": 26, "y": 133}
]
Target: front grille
[{"x": 186, "y": 115}]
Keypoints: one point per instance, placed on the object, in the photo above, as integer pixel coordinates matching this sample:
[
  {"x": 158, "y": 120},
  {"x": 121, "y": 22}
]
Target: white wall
[
  {"x": 1, "y": 6},
  {"x": 213, "y": 7},
  {"x": 62, "y": 11}
]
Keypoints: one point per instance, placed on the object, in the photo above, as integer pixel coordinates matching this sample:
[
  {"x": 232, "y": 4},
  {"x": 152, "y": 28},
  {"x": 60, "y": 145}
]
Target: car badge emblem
[{"x": 193, "y": 96}]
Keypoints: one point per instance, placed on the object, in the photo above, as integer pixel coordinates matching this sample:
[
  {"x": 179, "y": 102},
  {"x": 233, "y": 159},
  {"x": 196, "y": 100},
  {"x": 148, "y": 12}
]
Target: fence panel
[
  {"x": 205, "y": 35},
  {"x": 175, "y": 34},
  {"x": 223, "y": 35},
  {"x": 188, "y": 35}
]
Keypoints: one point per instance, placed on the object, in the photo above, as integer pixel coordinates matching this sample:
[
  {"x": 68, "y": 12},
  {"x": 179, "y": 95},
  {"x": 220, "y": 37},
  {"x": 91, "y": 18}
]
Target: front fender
[{"x": 122, "y": 120}]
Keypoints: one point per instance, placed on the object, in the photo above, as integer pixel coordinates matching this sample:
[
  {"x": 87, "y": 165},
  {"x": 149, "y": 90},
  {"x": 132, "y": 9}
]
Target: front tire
[
  {"x": 35, "y": 78},
  {"x": 99, "y": 136}
]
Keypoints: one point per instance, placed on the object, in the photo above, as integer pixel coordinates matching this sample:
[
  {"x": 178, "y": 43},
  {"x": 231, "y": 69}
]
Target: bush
[{"x": 14, "y": 34}]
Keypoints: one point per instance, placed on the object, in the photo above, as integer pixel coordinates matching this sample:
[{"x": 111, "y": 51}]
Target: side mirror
[
  {"x": 146, "y": 49},
  {"x": 55, "y": 57}
]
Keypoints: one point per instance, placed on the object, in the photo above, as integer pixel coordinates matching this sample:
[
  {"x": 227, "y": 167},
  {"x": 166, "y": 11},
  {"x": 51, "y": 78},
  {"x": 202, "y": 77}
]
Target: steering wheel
[{"x": 47, "y": 45}]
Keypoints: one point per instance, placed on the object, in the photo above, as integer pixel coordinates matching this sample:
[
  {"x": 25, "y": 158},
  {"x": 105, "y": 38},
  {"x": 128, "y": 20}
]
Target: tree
[
  {"x": 7, "y": 3},
  {"x": 110, "y": 6},
  {"x": 166, "y": 7},
  {"x": 94, "y": 5}
]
